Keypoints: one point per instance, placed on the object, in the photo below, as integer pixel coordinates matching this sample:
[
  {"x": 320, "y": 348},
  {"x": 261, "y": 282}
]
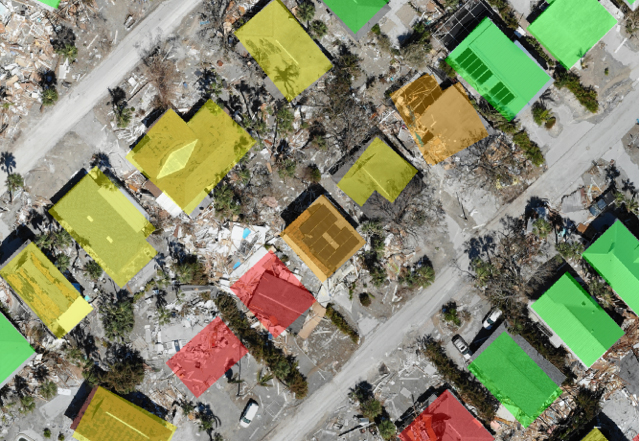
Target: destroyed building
[{"x": 442, "y": 123}]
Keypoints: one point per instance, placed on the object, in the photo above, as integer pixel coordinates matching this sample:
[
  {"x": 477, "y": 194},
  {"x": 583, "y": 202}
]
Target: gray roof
[
  {"x": 553, "y": 372},
  {"x": 629, "y": 372}
]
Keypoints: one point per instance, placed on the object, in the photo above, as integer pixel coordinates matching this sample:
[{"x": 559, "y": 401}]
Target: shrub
[
  {"x": 447, "y": 69},
  {"x": 341, "y": 323},
  {"x": 376, "y": 29},
  {"x": 371, "y": 408},
  {"x": 287, "y": 168},
  {"x": 313, "y": 174},
  {"x": 536, "y": 46},
  {"x": 61, "y": 437},
  {"x": 586, "y": 96},
  {"x": 450, "y": 313},
  {"x": 365, "y": 299},
  {"x": 529, "y": 148},
  {"x": 47, "y": 433}
]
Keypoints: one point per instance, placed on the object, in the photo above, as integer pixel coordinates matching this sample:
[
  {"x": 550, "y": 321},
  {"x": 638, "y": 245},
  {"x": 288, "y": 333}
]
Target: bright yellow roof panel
[
  {"x": 109, "y": 417},
  {"x": 187, "y": 159},
  {"x": 380, "y": 169},
  {"x": 441, "y": 123},
  {"x": 45, "y": 290},
  {"x": 595, "y": 435},
  {"x": 283, "y": 49},
  {"x": 322, "y": 238},
  {"x": 107, "y": 225}
]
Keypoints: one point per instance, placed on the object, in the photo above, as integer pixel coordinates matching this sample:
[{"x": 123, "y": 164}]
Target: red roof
[
  {"x": 446, "y": 419},
  {"x": 273, "y": 294},
  {"x": 207, "y": 357}
]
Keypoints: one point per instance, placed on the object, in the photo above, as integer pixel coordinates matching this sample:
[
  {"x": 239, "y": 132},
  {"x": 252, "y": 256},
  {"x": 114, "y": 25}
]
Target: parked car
[
  {"x": 493, "y": 316},
  {"x": 462, "y": 346},
  {"x": 249, "y": 413}
]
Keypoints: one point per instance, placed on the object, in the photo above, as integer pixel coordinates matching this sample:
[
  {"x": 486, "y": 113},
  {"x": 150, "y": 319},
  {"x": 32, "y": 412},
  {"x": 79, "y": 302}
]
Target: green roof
[
  {"x": 522, "y": 387},
  {"x": 355, "y": 13},
  {"x": 53, "y": 3},
  {"x": 569, "y": 28},
  {"x": 577, "y": 319},
  {"x": 615, "y": 257},
  {"x": 14, "y": 348},
  {"x": 499, "y": 70}
]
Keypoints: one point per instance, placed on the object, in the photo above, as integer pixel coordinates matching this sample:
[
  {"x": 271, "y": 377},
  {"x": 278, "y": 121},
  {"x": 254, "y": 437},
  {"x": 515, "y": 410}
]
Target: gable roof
[
  {"x": 187, "y": 159},
  {"x": 322, "y": 238},
  {"x": 15, "y": 349},
  {"x": 446, "y": 419},
  {"x": 107, "y": 417},
  {"x": 569, "y": 28},
  {"x": 107, "y": 225},
  {"x": 577, "y": 319},
  {"x": 283, "y": 49},
  {"x": 45, "y": 290},
  {"x": 380, "y": 169},
  {"x": 516, "y": 380},
  {"x": 615, "y": 257},
  {"x": 498, "y": 69}
]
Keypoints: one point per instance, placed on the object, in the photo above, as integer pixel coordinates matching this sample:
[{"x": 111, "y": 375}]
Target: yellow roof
[
  {"x": 441, "y": 123},
  {"x": 110, "y": 417},
  {"x": 107, "y": 225},
  {"x": 595, "y": 435},
  {"x": 47, "y": 292},
  {"x": 322, "y": 238},
  {"x": 187, "y": 159},
  {"x": 283, "y": 49},
  {"x": 380, "y": 169}
]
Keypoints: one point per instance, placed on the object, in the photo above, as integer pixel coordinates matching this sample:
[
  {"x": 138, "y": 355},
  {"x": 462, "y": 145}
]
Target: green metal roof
[
  {"x": 615, "y": 257},
  {"x": 14, "y": 348},
  {"x": 499, "y": 70},
  {"x": 577, "y": 319},
  {"x": 569, "y": 28},
  {"x": 522, "y": 387}
]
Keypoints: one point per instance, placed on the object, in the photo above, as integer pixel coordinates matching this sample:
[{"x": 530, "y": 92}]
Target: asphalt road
[
  {"x": 554, "y": 183},
  {"x": 43, "y": 135}
]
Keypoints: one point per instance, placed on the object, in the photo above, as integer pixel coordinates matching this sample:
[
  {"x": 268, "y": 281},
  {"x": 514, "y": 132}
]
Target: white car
[
  {"x": 462, "y": 346},
  {"x": 249, "y": 413},
  {"x": 492, "y": 318}
]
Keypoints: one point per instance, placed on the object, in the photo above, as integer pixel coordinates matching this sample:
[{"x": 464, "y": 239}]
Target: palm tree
[
  {"x": 318, "y": 28},
  {"x": 49, "y": 96},
  {"x": 44, "y": 241},
  {"x": 542, "y": 228},
  {"x": 306, "y": 11},
  {"x": 62, "y": 262},
  {"x": 14, "y": 182},
  {"x": 263, "y": 380},
  {"x": 187, "y": 407},
  {"x": 93, "y": 269}
]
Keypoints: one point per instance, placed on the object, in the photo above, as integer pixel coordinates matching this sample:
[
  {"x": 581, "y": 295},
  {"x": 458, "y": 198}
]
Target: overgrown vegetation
[
  {"x": 469, "y": 389},
  {"x": 533, "y": 42},
  {"x": 587, "y": 96},
  {"x": 125, "y": 370},
  {"x": 341, "y": 323},
  {"x": 283, "y": 367},
  {"x": 225, "y": 202},
  {"x": 506, "y": 12}
]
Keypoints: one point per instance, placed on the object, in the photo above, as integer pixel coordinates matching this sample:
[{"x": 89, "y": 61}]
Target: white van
[{"x": 249, "y": 413}]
